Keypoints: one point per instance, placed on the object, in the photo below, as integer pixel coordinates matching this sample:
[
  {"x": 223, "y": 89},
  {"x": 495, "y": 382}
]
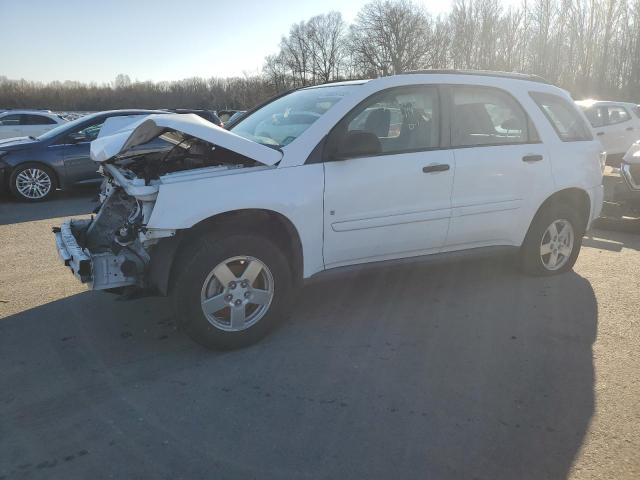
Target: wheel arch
[
  {"x": 266, "y": 222},
  {"x": 577, "y": 197}
]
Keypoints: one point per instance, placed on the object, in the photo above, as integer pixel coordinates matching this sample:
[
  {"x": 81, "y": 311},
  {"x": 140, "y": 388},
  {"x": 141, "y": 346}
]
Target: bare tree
[{"x": 391, "y": 37}]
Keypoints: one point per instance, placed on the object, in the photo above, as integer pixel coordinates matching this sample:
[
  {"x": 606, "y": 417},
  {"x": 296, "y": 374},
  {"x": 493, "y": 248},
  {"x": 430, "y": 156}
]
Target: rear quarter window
[{"x": 563, "y": 116}]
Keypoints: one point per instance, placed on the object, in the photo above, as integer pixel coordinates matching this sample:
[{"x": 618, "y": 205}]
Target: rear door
[
  {"x": 500, "y": 163},
  {"x": 391, "y": 199},
  {"x": 10, "y": 125},
  {"x": 617, "y": 133}
]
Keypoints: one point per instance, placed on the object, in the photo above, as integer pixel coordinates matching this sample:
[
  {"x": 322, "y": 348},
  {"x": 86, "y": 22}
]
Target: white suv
[
  {"x": 229, "y": 223},
  {"x": 616, "y": 124}
]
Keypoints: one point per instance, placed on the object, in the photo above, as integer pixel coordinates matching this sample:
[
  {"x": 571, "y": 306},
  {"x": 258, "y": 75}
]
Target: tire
[
  {"x": 43, "y": 178},
  {"x": 532, "y": 259},
  {"x": 198, "y": 278}
]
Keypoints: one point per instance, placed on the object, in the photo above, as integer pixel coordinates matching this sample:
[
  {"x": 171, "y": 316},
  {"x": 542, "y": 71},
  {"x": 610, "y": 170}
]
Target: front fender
[{"x": 294, "y": 192}]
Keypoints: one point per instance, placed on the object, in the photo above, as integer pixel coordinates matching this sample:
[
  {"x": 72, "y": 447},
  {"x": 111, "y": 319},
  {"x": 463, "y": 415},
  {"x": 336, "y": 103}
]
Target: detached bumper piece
[{"x": 101, "y": 270}]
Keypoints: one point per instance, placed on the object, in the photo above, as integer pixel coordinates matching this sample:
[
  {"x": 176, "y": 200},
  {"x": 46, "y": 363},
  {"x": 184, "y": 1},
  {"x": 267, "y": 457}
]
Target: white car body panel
[
  {"x": 11, "y": 131},
  {"x": 618, "y": 137},
  {"x": 152, "y": 126},
  {"x": 376, "y": 209},
  {"x": 365, "y": 209}
]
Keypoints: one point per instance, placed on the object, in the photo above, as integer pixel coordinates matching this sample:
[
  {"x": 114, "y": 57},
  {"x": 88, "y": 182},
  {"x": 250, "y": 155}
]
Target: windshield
[
  {"x": 282, "y": 121},
  {"x": 69, "y": 126}
]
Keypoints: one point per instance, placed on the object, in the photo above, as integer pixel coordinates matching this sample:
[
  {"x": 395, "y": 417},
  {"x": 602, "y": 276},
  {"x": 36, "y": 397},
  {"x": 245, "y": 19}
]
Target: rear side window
[
  {"x": 37, "y": 120},
  {"x": 488, "y": 116},
  {"x": 617, "y": 115},
  {"x": 14, "y": 119},
  {"x": 564, "y": 117}
]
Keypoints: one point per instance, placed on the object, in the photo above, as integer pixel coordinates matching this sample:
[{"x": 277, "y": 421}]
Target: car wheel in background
[
  {"x": 32, "y": 182},
  {"x": 553, "y": 242}
]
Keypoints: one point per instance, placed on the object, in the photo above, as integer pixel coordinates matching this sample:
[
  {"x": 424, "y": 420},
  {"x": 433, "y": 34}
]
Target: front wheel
[
  {"x": 553, "y": 242},
  {"x": 229, "y": 292}
]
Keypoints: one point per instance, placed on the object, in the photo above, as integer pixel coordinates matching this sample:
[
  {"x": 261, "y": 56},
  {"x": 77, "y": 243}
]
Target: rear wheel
[
  {"x": 553, "y": 242},
  {"x": 32, "y": 182},
  {"x": 229, "y": 292}
]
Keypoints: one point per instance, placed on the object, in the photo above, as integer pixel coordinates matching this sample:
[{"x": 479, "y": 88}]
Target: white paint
[
  {"x": 366, "y": 209},
  {"x": 152, "y": 126}
]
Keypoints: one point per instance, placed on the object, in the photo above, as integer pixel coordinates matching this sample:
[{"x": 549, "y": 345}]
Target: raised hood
[{"x": 119, "y": 140}]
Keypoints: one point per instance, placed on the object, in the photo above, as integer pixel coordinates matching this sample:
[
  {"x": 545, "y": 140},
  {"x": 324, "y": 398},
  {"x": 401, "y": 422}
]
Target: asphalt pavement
[{"x": 464, "y": 370}]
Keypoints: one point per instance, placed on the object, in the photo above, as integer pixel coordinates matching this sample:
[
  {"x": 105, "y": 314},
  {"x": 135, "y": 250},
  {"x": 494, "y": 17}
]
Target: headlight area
[{"x": 112, "y": 249}]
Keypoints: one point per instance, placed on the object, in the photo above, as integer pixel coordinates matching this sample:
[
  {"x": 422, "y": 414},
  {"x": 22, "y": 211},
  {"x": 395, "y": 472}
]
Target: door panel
[
  {"x": 386, "y": 207},
  {"x": 389, "y": 195},
  {"x": 493, "y": 187},
  {"x": 499, "y": 166}
]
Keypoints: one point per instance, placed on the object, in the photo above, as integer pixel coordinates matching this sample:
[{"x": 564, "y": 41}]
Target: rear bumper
[{"x": 99, "y": 271}]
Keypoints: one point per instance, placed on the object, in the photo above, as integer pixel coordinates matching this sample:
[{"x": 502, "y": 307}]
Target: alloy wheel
[
  {"x": 237, "y": 293},
  {"x": 557, "y": 244},
  {"x": 33, "y": 183}
]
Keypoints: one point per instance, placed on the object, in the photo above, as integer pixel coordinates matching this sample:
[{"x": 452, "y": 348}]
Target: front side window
[
  {"x": 399, "y": 120},
  {"x": 617, "y": 115},
  {"x": 91, "y": 132},
  {"x": 486, "y": 116},
  {"x": 636, "y": 110},
  {"x": 563, "y": 116},
  {"x": 597, "y": 116},
  {"x": 281, "y": 121}
]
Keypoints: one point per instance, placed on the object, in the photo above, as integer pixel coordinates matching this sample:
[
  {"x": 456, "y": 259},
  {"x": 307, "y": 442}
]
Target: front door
[
  {"x": 387, "y": 183},
  {"x": 77, "y": 163}
]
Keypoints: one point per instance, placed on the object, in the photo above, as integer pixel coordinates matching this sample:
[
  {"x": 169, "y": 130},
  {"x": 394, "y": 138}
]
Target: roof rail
[{"x": 483, "y": 73}]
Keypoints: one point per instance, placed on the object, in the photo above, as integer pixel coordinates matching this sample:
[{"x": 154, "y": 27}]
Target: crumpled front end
[{"x": 112, "y": 249}]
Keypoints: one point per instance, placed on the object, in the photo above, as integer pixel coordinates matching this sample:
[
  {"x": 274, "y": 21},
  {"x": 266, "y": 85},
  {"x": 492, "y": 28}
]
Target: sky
[{"x": 47, "y": 40}]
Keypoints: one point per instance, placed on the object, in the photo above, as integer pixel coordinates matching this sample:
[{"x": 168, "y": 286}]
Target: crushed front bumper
[{"x": 99, "y": 271}]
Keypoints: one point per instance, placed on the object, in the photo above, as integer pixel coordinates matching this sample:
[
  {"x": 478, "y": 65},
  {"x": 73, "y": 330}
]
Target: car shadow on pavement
[
  {"x": 612, "y": 239},
  {"x": 79, "y": 200},
  {"x": 460, "y": 370}
]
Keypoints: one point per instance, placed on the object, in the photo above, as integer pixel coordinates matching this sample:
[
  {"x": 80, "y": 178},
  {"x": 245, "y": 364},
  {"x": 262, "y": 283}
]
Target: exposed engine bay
[
  {"x": 118, "y": 246},
  {"x": 175, "y": 152}
]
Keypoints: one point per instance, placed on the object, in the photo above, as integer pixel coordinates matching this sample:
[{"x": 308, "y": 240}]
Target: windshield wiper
[{"x": 31, "y": 137}]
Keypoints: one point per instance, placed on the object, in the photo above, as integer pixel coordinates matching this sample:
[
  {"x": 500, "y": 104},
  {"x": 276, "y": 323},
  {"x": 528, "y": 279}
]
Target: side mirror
[
  {"x": 359, "y": 144},
  {"x": 77, "y": 137}
]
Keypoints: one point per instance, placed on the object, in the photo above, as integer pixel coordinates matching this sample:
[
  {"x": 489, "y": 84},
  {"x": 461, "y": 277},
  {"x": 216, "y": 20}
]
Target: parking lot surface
[{"x": 444, "y": 371}]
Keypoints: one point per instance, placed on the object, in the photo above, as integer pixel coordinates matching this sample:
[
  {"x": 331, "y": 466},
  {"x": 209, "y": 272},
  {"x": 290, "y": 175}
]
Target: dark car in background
[
  {"x": 208, "y": 115},
  {"x": 31, "y": 168}
]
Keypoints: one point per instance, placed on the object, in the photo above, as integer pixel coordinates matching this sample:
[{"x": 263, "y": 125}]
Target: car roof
[
  {"x": 590, "y": 103},
  {"x": 46, "y": 113}
]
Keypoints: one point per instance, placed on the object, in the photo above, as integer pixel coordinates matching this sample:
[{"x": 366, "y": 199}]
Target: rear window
[{"x": 563, "y": 116}]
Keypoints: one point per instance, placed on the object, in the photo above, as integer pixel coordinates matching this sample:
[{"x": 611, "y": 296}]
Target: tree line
[{"x": 589, "y": 47}]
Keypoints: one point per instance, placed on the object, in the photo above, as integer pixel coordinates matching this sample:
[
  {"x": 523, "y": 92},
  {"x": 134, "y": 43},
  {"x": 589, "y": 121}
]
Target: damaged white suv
[{"x": 229, "y": 223}]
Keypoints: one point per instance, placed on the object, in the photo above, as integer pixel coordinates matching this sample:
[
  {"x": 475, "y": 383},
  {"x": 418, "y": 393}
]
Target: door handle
[
  {"x": 435, "y": 167},
  {"x": 532, "y": 158},
  {"x": 629, "y": 129},
  {"x": 600, "y": 134}
]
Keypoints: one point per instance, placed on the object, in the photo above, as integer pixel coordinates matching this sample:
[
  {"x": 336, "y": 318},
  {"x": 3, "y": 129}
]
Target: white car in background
[
  {"x": 616, "y": 125},
  {"x": 27, "y": 123},
  {"x": 230, "y": 222}
]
